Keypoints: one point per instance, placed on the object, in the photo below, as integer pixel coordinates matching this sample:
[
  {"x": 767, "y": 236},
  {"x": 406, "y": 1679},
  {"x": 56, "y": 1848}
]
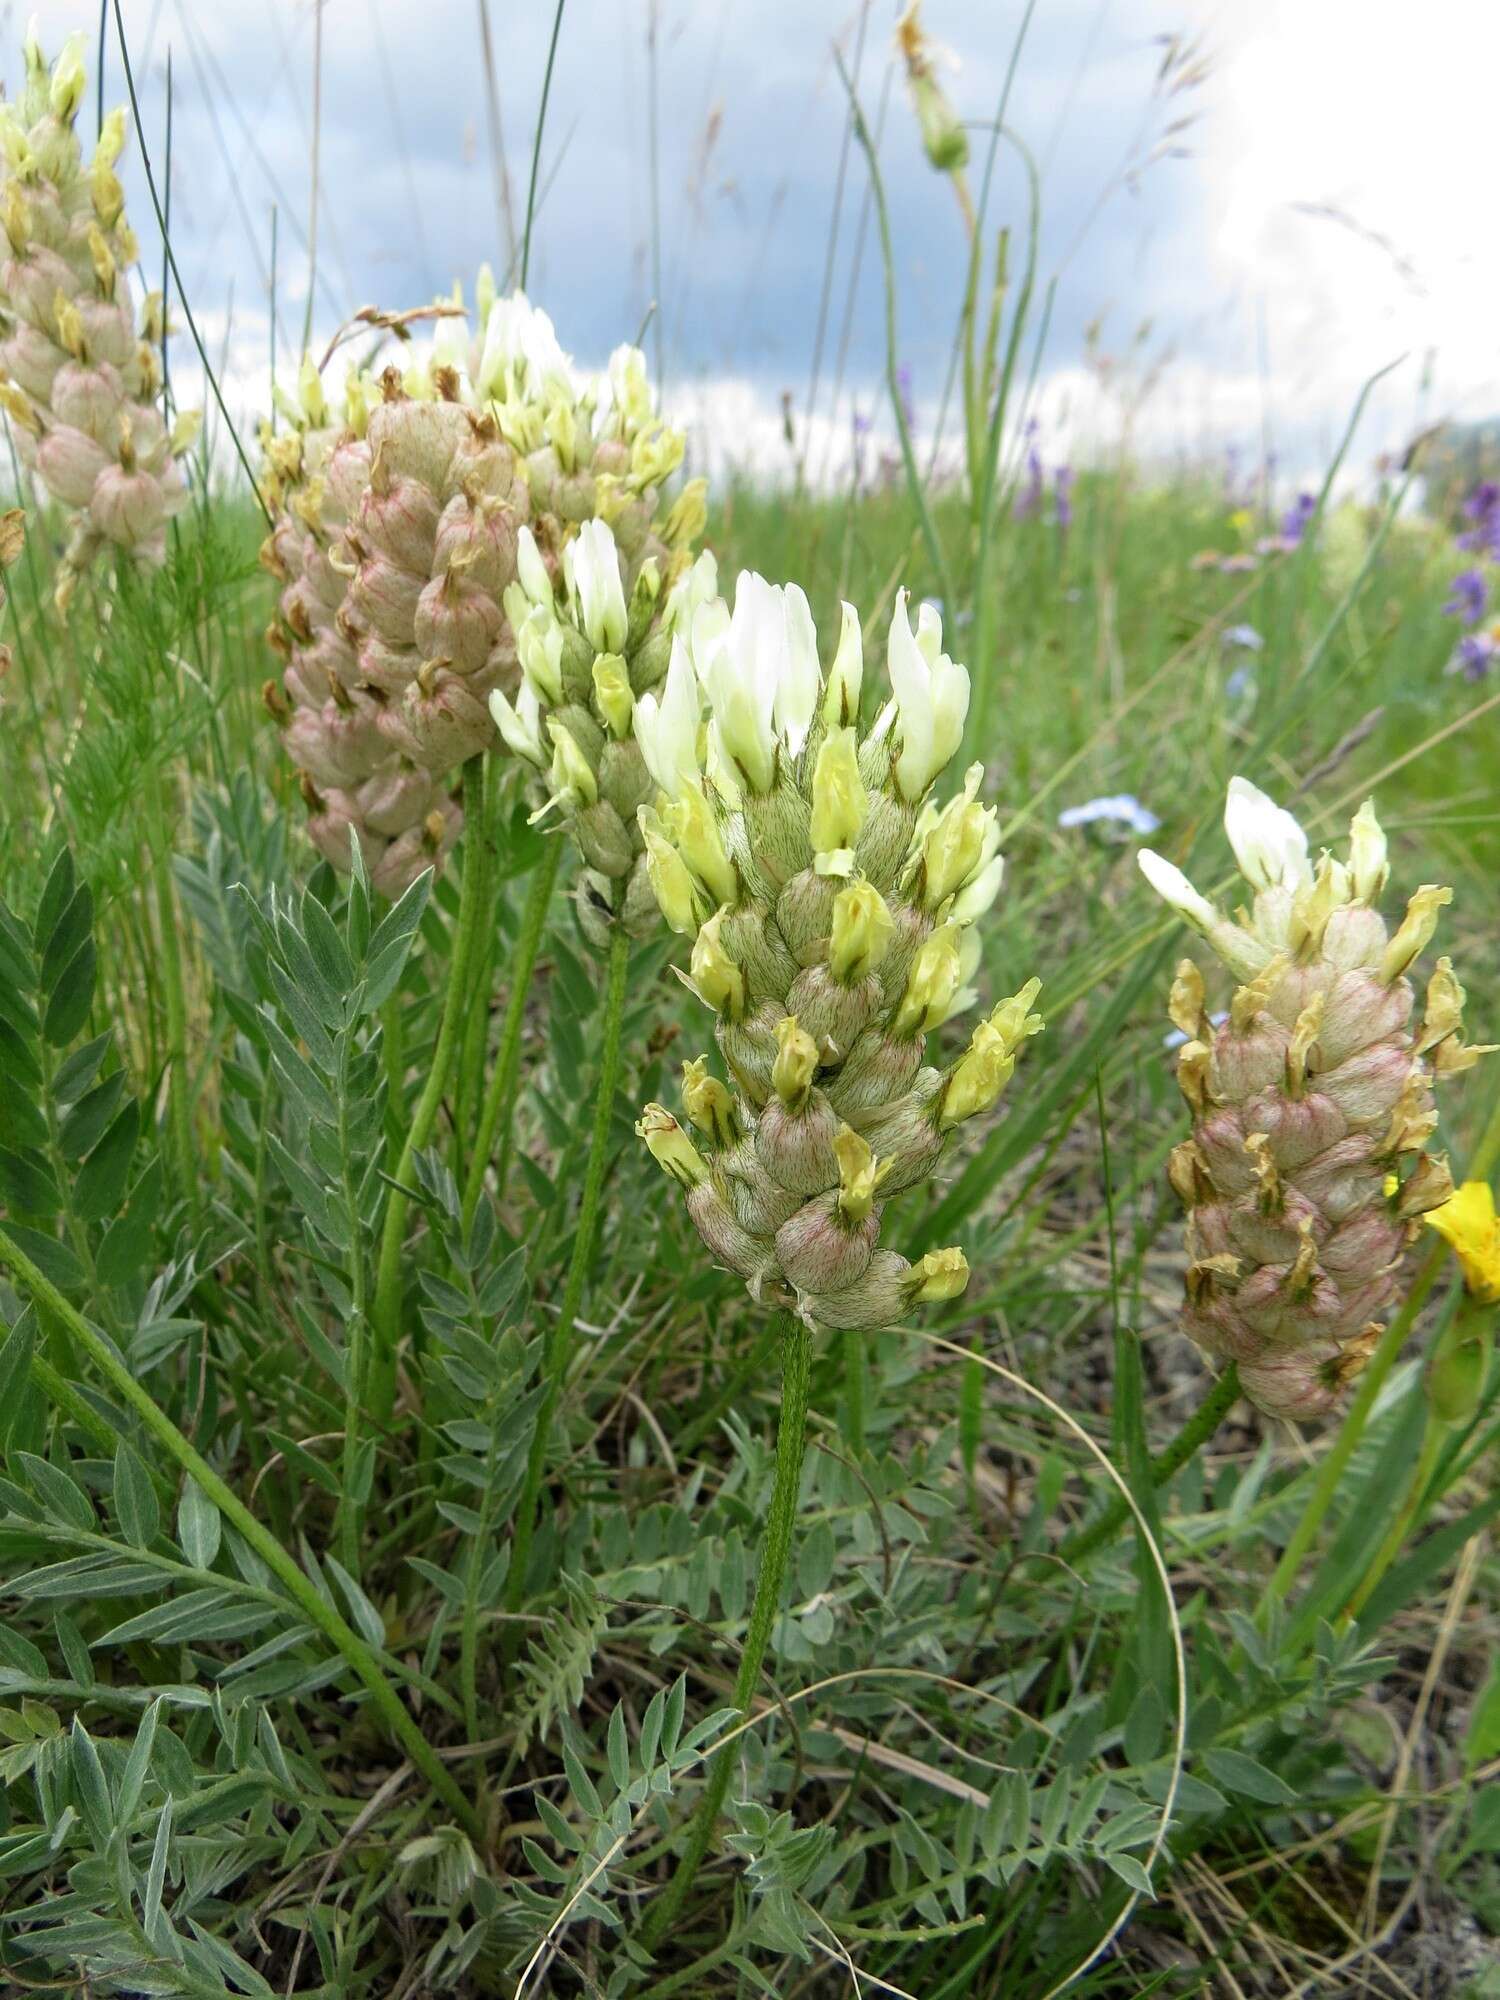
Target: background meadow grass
[{"x": 975, "y": 1771}]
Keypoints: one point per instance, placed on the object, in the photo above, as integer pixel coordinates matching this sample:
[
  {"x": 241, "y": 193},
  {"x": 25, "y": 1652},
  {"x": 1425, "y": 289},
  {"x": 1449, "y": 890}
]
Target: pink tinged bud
[
  {"x": 330, "y": 829},
  {"x": 128, "y": 508},
  {"x": 336, "y": 747},
  {"x": 1282, "y": 1302},
  {"x": 1354, "y": 937},
  {"x": 439, "y": 721},
  {"x": 875, "y": 1070},
  {"x": 750, "y": 1048},
  {"x": 804, "y": 913},
  {"x": 796, "y": 1147},
  {"x": 754, "y": 1199},
  {"x": 778, "y": 822},
  {"x": 385, "y": 597},
  {"x": 1251, "y": 1062},
  {"x": 878, "y": 1298},
  {"x": 603, "y": 839},
  {"x": 832, "y": 1013},
  {"x": 31, "y": 359},
  {"x": 400, "y": 523},
  {"x": 346, "y": 475},
  {"x": 70, "y": 466},
  {"x": 757, "y": 947},
  {"x": 381, "y": 665},
  {"x": 425, "y": 846},
  {"x": 396, "y": 799},
  {"x": 749, "y": 1256},
  {"x": 1361, "y": 1009},
  {"x": 1344, "y": 1179},
  {"x": 32, "y": 282},
  {"x": 481, "y": 540},
  {"x": 1298, "y": 1128},
  {"x": 1368, "y": 1086},
  {"x": 885, "y": 836},
  {"x": 1255, "y": 1235},
  {"x": 457, "y": 621},
  {"x": 88, "y": 400},
  {"x": 417, "y": 439},
  {"x": 906, "y": 1136},
  {"x": 1370, "y": 1240},
  {"x": 1297, "y": 1387},
  {"x": 820, "y": 1251},
  {"x": 108, "y": 332}
]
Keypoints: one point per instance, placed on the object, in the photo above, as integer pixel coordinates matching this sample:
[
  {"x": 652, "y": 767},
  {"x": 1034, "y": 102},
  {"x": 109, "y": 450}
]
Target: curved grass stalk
[
  {"x": 46, "y": 1297},
  {"x": 1194, "y": 1434}
]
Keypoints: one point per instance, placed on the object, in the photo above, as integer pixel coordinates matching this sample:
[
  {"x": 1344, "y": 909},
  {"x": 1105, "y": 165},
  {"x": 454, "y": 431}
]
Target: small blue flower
[
  {"x": 1241, "y": 685},
  {"x": 1245, "y": 637},
  {"x": 1119, "y": 810}
]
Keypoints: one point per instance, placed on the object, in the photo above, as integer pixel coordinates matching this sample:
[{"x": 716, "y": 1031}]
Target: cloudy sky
[{"x": 1235, "y": 247}]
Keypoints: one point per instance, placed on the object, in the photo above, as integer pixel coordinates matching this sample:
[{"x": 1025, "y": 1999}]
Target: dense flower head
[
  {"x": 423, "y": 527},
  {"x": 592, "y": 641},
  {"x": 1312, "y": 1103},
  {"x": 830, "y": 897},
  {"x": 81, "y": 369}
]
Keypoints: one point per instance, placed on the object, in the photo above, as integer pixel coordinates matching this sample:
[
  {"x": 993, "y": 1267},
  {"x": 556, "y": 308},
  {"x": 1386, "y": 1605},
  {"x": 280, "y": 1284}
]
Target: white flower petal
[
  {"x": 1268, "y": 844},
  {"x": 1173, "y": 887},
  {"x": 800, "y": 676}
]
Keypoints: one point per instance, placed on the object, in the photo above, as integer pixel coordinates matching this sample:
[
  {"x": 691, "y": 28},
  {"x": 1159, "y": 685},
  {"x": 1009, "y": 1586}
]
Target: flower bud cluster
[
  {"x": 592, "y": 640},
  {"x": 1312, "y": 1105},
  {"x": 398, "y": 541},
  {"x": 81, "y": 374},
  {"x": 830, "y": 899}
]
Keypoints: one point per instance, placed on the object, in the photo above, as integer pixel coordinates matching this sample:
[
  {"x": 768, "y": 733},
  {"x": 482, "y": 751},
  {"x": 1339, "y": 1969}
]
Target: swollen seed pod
[
  {"x": 1312, "y": 1106},
  {"x": 826, "y": 900}
]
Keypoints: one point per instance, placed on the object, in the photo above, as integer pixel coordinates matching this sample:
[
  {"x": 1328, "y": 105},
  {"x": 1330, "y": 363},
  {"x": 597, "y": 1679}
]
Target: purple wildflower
[
  {"x": 903, "y": 384},
  {"x": 1294, "y": 522},
  {"x": 1030, "y": 496},
  {"x": 1062, "y": 487},
  {"x": 1245, "y": 637},
  {"x": 1483, "y": 508},
  {"x": 1467, "y": 595},
  {"x": 1474, "y": 657}
]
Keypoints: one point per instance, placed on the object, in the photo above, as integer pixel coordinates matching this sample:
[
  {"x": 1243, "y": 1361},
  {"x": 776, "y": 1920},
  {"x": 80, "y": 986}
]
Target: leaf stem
[
  {"x": 179, "y": 1111},
  {"x": 497, "y": 1115},
  {"x": 299, "y": 1588},
  {"x": 386, "y": 1313},
  {"x": 791, "y": 1442},
  {"x": 559, "y": 1343},
  {"x": 854, "y": 1390}
]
